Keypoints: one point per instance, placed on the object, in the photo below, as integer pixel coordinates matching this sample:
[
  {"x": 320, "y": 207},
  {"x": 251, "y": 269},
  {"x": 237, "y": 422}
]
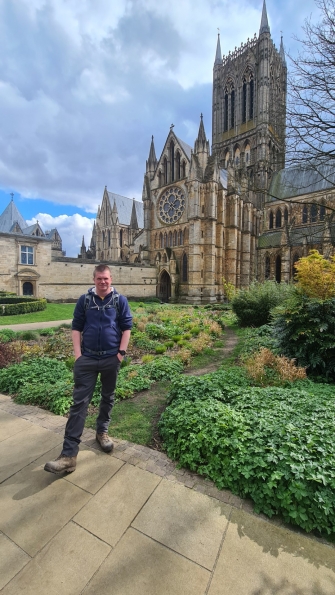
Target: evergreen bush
[{"x": 253, "y": 306}]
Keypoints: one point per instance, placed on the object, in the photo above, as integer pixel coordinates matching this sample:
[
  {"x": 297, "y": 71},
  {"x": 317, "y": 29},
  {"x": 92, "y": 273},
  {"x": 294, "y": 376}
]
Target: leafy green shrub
[
  {"x": 155, "y": 331},
  {"x": 43, "y": 381},
  {"x": 195, "y": 330},
  {"x": 273, "y": 445},
  {"x": 305, "y": 330},
  {"x": 160, "y": 349},
  {"x": 169, "y": 344},
  {"x": 176, "y": 338},
  {"x": 217, "y": 384},
  {"x": 47, "y": 332},
  {"x": 255, "y": 339},
  {"x": 253, "y": 306},
  {"x": 162, "y": 368},
  {"x": 7, "y": 335},
  {"x": 142, "y": 342},
  {"x": 27, "y": 335}
]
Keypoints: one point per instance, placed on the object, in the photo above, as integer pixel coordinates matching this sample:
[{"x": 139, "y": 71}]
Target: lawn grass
[
  {"x": 52, "y": 312},
  {"x": 134, "y": 419}
]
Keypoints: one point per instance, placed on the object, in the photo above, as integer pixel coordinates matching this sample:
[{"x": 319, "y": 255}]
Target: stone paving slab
[
  {"x": 94, "y": 468},
  {"x": 260, "y": 558},
  {"x": 141, "y": 566},
  {"x": 117, "y": 503},
  {"x": 12, "y": 560},
  {"x": 35, "y": 505},
  {"x": 185, "y": 521},
  {"x": 11, "y": 425},
  {"x": 20, "y": 449},
  {"x": 63, "y": 567}
]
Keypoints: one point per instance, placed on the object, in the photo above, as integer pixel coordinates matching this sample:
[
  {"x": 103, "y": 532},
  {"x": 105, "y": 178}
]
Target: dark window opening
[
  {"x": 251, "y": 104},
  {"x": 267, "y": 267},
  {"x": 278, "y": 218},
  {"x": 278, "y": 269},
  {"x": 305, "y": 214},
  {"x": 271, "y": 220},
  {"x": 232, "y": 109},
  {"x": 184, "y": 267},
  {"x": 244, "y": 102},
  {"x": 225, "y": 113}
]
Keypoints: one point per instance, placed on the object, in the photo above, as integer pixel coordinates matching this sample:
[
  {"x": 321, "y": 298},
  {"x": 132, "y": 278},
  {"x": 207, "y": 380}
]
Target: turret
[
  {"x": 151, "y": 163},
  {"x": 201, "y": 146}
]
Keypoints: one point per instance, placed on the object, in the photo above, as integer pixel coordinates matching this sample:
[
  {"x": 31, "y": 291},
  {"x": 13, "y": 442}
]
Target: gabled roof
[
  {"x": 9, "y": 217},
  {"x": 124, "y": 208}
]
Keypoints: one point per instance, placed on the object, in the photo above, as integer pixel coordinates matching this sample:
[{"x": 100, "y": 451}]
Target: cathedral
[{"x": 229, "y": 213}]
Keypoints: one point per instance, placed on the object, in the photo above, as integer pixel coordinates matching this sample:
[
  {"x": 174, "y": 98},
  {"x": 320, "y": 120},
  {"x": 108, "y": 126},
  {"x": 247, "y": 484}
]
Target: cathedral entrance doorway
[{"x": 164, "y": 287}]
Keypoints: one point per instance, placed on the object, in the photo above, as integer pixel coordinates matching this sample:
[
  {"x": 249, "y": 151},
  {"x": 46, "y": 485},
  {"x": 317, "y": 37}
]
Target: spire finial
[
  {"x": 218, "y": 55},
  {"x": 264, "y": 28},
  {"x": 12, "y": 195}
]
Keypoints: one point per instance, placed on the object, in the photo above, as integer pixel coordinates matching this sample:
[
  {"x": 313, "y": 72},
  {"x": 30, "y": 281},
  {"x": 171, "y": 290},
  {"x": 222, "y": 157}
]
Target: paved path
[
  {"x": 130, "y": 523},
  {"x": 30, "y": 326}
]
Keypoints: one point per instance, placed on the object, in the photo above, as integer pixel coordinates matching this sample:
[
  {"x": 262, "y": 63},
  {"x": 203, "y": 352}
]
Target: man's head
[{"x": 102, "y": 279}]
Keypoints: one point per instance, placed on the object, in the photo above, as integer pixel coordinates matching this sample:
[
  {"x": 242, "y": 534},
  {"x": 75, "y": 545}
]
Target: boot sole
[{"x": 69, "y": 470}]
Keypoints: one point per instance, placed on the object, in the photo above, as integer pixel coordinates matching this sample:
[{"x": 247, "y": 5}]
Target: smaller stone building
[{"x": 25, "y": 251}]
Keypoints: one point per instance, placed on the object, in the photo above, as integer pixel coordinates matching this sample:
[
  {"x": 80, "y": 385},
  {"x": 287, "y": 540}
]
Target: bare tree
[{"x": 311, "y": 97}]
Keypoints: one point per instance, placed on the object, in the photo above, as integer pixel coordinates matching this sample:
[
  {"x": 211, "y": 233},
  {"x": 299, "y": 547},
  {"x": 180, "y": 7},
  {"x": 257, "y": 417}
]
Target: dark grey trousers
[{"x": 86, "y": 370}]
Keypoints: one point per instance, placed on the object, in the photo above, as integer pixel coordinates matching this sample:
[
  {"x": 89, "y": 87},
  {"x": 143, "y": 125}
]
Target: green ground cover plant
[{"x": 274, "y": 445}]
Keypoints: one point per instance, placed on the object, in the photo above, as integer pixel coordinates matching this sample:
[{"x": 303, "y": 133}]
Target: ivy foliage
[{"x": 274, "y": 445}]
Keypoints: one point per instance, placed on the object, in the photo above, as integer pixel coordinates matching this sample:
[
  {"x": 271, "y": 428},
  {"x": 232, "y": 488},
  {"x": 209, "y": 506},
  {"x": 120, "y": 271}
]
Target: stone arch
[{"x": 164, "y": 286}]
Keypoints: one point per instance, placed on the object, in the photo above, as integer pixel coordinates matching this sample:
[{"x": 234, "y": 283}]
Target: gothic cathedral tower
[{"x": 249, "y": 112}]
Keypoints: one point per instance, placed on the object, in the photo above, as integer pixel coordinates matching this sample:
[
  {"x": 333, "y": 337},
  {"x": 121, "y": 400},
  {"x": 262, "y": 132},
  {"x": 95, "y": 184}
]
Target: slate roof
[
  {"x": 124, "y": 207},
  {"x": 187, "y": 148},
  {"x": 300, "y": 180},
  {"x": 8, "y": 218}
]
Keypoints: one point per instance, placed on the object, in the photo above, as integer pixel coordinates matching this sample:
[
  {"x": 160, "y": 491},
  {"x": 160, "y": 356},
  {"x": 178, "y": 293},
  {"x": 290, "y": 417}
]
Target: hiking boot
[
  {"x": 104, "y": 441},
  {"x": 62, "y": 463}
]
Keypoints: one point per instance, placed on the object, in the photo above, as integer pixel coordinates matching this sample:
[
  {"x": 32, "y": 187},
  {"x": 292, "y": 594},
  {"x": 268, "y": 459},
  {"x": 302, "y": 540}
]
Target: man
[{"x": 101, "y": 329}]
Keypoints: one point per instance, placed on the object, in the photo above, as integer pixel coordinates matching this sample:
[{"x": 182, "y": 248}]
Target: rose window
[{"x": 171, "y": 205}]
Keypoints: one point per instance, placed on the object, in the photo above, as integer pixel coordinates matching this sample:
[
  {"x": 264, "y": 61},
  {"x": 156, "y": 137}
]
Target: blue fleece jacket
[{"x": 101, "y": 328}]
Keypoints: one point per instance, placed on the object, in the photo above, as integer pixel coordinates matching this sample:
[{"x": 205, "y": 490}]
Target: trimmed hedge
[{"x": 22, "y": 307}]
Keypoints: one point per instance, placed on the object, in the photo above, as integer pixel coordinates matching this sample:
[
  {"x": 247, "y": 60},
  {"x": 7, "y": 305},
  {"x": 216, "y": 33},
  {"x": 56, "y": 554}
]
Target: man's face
[{"x": 102, "y": 282}]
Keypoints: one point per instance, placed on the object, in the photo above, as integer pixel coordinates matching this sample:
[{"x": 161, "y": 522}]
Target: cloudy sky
[{"x": 84, "y": 84}]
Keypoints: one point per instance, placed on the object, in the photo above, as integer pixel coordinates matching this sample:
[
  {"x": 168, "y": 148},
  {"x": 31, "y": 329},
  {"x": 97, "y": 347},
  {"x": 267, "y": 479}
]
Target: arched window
[
  {"x": 175, "y": 238},
  {"x": 237, "y": 156},
  {"x": 251, "y": 99},
  {"x": 244, "y": 101},
  {"x": 165, "y": 170},
  {"x": 267, "y": 271},
  {"x": 294, "y": 262},
  {"x": 165, "y": 240},
  {"x": 286, "y": 215},
  {"x": 322, "y": 212},
  {"x": 314, "y": 213},
  {"x": 103, "y": 239},
  {"x": 232, "y": 108},
  {"x": 109, "y": 238},
  {"x": 184, "y": 169},
  {"x": 170, "y": 239},
  {"x": 226, "y": 159},
  {"x": 271, "y": 220},
  {"x": 225, "y": 112},
  {"x": 178, "y": 166},
  {"x": 305, "y": 214},
  {"x": 278, "y": 269},
  {"x": 172, "y": 160},
  {"x": 156, "y": 241},
  {"x": 184, "y": 268},
  {"x": 160, "y": 178},
  {"x": 121, "y": 238},
  {"x": 161, "y": 244},
  {"x": 180, "y": 238},
  {"x": 247, "y": 154},
  {"x": 278, "y": 218}
]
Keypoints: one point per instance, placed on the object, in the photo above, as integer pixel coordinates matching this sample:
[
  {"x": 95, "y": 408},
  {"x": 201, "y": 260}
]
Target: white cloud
[{"x": 71, "y": 229}]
